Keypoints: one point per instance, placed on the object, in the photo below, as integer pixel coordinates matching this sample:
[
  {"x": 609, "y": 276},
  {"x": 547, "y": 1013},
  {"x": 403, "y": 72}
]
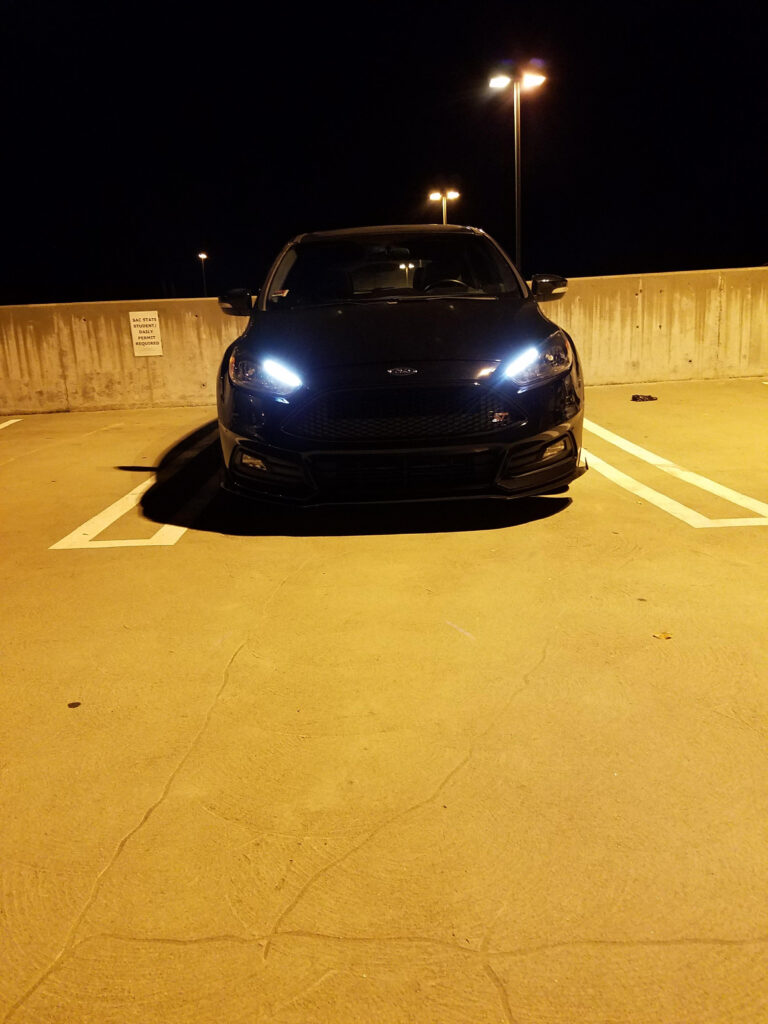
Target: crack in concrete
[
  {"x": 294, "y": 572},
  {"x": 153, "y": 940},
  {"x": 548, "y": 947},
  {"x": 516, "y": 693},
  {"x": 501, "y": 990},
  {"x": 260, "y": 940},
  {"x": 401, "y": 814},
  {"x": 484, "y": 954},
  {"x": 481, "y": 953},
  {"x": 69, "y": 942},
  {"x": 348, "y": 853}
]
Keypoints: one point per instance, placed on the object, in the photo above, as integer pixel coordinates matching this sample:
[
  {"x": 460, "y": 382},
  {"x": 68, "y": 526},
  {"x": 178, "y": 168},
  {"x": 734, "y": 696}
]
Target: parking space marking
[
  {"x": 83, "y": 536},
  {"x": 674, "y": 508},
  {"x": 702, "y": 482},
  {"x": 8, "y": 423},
  {"x": 663, "y": 501}
]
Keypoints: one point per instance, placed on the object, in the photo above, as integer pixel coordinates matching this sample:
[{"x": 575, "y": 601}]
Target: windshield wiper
[
  {"x": 394, "y": 300},
  {"x": 422, "y": 298}
]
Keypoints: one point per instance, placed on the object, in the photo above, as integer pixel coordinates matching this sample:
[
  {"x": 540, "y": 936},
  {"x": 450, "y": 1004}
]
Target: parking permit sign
[{"x": 145, "y": 331}]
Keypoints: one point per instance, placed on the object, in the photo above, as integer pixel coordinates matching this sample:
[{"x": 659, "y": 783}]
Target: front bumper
[{"x": 541, "y": 464}]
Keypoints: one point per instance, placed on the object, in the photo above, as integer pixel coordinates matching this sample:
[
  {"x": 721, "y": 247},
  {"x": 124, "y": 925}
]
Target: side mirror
[
  {"x": 548, "y": 287},
  {"x": 237, "y": 302}
]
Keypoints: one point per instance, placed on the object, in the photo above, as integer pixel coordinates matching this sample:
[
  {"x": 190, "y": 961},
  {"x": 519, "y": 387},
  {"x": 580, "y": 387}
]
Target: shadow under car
[{"x": 187, "y": 492}]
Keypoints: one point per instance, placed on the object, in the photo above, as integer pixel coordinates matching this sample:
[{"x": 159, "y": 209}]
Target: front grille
[
  {"x": 403, "y": 413},
  {"x": 405, "y": 474}
]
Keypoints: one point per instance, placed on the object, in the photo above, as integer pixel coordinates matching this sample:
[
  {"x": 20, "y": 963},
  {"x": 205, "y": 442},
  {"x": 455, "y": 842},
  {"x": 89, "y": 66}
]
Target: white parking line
[
  {"x": 8, "y": 423},
  {"x": 83, "y": 536},
  {"x": 674, "y": 508},
  {"x": 662, "y": 501},
  {"x": 702, "y": 482}
]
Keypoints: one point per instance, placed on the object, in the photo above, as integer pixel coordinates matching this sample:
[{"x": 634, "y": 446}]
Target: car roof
[{"x": 388, "y": 229}]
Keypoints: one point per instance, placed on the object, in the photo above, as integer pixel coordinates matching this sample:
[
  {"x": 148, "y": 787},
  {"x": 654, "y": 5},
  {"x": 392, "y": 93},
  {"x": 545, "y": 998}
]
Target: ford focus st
[{"x": 398, "y": 363}]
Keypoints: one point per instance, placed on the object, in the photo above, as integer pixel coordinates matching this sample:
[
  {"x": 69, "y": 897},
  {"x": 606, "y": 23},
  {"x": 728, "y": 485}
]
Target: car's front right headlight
[
  {"x": 268, "y": 375},
  {"x": 540, "y": 363}
]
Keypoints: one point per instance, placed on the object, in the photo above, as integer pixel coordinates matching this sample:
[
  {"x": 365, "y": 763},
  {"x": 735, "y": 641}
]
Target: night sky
[{"x": 137, "y": 135}]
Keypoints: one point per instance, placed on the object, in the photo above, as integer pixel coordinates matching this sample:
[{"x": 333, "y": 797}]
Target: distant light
[
  {"x": 452, "y": 195},
  {"x": 435, "y": 195},
  {"x": 500, "y": 81},
  {"x": 532, "y": 79},
  {"x": 202, "y": 255}
]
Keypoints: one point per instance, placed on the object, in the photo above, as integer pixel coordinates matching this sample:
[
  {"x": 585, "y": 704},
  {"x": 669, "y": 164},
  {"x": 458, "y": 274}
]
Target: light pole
[
  {"x": 203, "y": 256},
  {"x": 522, "y": 80},
  {"x": 444, "y": 197}
]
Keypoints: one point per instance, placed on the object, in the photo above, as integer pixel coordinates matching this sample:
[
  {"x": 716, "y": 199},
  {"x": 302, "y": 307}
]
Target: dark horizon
[{"x": 138, "y": 143}]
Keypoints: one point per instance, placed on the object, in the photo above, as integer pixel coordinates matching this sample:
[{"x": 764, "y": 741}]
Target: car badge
[{"x": 402, "y": 371}]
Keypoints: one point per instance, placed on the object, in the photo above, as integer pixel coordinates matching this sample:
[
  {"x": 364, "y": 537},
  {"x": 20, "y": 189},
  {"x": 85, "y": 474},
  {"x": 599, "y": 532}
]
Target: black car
[{"x": 398, "y": 363}]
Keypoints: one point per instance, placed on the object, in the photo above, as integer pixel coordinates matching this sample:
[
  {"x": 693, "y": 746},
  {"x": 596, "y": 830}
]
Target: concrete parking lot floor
[{"x": 490, "y": 765}]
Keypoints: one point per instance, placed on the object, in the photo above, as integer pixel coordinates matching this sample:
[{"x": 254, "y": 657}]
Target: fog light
[
  {"x": 252, "y": 462},
  {"x": 552, "y": 451}
]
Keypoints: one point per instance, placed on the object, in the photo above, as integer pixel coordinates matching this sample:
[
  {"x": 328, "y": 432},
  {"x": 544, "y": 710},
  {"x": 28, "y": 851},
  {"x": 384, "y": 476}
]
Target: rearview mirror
[
  {"x": 236, "y": 302},
  {"x": 547, "y": 287}
]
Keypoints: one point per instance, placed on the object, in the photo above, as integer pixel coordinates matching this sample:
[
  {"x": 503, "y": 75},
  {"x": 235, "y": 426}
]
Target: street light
[
  {"x": 444, "y": 197},
  {"x": 203, "y": 256},
  {"x": 523, "y": 79}
]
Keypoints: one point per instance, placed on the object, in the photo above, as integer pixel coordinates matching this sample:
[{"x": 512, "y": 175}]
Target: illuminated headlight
[
  {"x": 540, "y": 363},
  {"x": 262, "y": 374}
]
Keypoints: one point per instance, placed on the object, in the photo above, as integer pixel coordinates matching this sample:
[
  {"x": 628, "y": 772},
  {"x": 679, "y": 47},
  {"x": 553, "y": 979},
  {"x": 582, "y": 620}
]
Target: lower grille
[
  {"x": 404, "y": 413},
  {"x": 405, "y": 474},
  {"x": 281, "y": 476}
]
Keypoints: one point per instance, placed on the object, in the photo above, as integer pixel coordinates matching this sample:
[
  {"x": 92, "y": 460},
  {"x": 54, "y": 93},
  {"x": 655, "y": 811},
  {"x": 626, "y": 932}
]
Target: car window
[{"x": 320, "y": 272}]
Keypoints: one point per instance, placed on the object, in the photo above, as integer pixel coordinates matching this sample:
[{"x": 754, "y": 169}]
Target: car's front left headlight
[
  {"x": 268, "y": 375},
  {"x": 540, "y": 363}
]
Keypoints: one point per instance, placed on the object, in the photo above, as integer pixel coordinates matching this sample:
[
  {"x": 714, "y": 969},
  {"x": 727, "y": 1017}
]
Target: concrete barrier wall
[
  {"x": 81, "y": 356},
  {"x": 629, "y": 329},
  {"x": 683, "y": 326}
]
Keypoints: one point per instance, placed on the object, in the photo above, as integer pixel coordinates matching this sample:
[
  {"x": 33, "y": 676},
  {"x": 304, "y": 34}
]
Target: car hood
[{"x": 409, "y": 333}]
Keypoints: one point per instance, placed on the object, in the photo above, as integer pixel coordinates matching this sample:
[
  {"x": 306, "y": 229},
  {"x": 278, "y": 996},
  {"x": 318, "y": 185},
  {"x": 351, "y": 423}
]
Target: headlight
[
  {"x": 540, "y": 363},
  {"x": 262, "y": 374}
]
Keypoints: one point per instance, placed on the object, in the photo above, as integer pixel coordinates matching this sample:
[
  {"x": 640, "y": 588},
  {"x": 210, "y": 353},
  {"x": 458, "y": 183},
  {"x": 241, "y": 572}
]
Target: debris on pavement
[
  {"x": 662, "y": 636},
  {"x": 644, "y": 398}
]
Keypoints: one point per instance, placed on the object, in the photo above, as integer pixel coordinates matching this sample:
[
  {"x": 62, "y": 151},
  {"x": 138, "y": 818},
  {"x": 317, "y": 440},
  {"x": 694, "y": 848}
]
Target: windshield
[{"x": 392, "y": 267}]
